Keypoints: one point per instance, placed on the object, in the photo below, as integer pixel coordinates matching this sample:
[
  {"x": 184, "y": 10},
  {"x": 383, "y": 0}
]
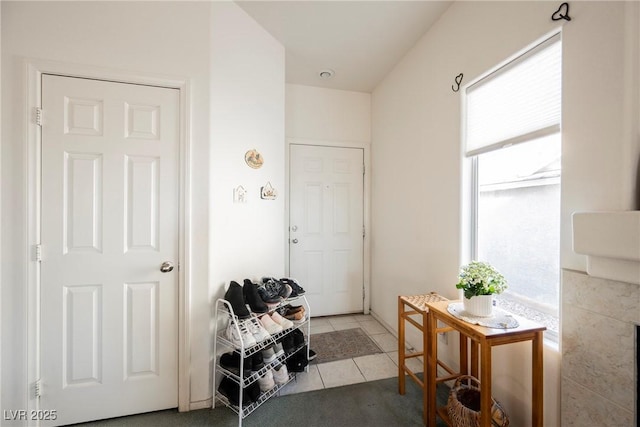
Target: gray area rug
[
  {"x": 345, "y": 344},
  {"x": 370, "y": 404}
]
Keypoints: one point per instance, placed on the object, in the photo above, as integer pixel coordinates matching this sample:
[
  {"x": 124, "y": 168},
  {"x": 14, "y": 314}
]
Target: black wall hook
[
  {"x": 458, "y": 80},
  {"x": 561, "y": 13}
]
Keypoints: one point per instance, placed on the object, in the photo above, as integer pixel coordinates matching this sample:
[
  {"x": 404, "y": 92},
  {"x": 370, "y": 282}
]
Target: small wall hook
[
  {"x": 561, "y": 13},
  {"x": 458, "y": 80}
]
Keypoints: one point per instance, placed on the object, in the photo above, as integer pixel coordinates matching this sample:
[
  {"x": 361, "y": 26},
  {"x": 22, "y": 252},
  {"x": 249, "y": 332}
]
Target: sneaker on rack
[
  {"x": 271, "y": 298},
  {"x": 296, "y": 289},
  {"x": 266, "y": 381},
  {"x": 278, "y": 350},
  {"x": 245, "y": 338},
  {"x": 269, "y": 355},
  {"x": 257, "y": 330},
  {"x": 275, "y": 287},
  {"x": 271, "y": 326},
  {"x": 285, "y": 323},
  {"x": 280, "y": 374}
]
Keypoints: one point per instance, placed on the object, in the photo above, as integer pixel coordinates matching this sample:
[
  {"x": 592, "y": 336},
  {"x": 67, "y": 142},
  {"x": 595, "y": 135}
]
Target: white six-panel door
[
  {"x": 326, "y": 226},
  {"x": 108, "y": 326}
]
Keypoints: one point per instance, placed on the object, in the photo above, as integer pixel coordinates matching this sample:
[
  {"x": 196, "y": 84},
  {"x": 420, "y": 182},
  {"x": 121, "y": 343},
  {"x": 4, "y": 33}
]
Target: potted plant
[{"x": 479, "y": 282}]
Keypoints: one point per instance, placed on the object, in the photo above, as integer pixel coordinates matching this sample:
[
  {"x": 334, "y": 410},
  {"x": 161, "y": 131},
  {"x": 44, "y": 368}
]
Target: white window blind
[{"x": 518, "y": 102}]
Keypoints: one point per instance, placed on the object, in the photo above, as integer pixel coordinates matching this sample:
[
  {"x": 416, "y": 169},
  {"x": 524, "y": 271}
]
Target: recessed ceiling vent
[{"x": 326, "y": 74}]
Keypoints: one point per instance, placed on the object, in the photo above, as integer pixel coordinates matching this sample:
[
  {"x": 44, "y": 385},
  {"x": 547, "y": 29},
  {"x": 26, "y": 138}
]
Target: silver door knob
[
  {"x": 294, "y": 228},
  {"x": 294, "y": 241},
  {"x": 166, "y": 267}
]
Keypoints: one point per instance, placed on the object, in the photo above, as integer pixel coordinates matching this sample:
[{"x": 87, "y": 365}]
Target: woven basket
[{"x": 463, "y": 406}]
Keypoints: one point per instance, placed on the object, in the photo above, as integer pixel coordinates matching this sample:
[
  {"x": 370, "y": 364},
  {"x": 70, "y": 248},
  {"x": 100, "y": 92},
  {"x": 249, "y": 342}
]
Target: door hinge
[
  {"x": 363, "y": 232},
  {"x": 38, "y": 253},
  {"x": 38, "y": 116},
  {"x": 37, "y": 389}
]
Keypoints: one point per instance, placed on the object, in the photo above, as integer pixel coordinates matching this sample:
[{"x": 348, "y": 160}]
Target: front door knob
[{"x": 294, "y": 241}]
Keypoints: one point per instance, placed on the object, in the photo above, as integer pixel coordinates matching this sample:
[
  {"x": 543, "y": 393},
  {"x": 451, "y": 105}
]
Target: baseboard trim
[{"x": 201, "y": 404}]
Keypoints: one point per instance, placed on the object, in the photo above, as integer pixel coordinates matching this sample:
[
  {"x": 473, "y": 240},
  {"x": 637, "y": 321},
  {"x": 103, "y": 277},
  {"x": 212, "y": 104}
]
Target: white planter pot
[{"x": 481, "y": 305}]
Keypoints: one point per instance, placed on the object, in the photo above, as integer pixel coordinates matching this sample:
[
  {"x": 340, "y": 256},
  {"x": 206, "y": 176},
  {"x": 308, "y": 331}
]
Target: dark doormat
[{"x": 344, "y": 344}]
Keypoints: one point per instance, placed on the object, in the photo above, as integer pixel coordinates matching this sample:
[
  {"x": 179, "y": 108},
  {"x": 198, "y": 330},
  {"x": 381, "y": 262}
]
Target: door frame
[
  {"x": 34, "y": 70},
  {"x": 366, "y": 211}
]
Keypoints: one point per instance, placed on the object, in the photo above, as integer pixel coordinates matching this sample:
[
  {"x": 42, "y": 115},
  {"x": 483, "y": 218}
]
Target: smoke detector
[{"x": 326, "y": 74}]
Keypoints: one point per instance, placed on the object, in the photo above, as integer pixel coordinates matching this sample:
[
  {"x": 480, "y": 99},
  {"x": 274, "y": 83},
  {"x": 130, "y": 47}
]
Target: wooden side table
[
  {"x": 416, "y": 306},
  {"x": 482, "y": 340}
]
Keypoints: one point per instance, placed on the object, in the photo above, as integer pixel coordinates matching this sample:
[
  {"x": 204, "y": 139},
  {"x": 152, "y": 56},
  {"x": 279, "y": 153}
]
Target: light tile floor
[{"x": 356, "y": 370}]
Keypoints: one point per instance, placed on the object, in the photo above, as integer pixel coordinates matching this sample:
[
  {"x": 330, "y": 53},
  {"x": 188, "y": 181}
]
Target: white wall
[
  {"x": 236, "y": 72},
  {"x": 416, "y": 130},
  {"x": 247, "y": 112},
  {"x": 327, "y": 114}
]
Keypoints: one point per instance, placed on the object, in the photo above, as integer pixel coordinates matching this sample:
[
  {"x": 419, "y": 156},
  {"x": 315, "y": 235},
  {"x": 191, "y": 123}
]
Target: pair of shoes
[
  {"x": 273, "y": 291},
  {"x": 257, "y": 329},
  {"x": 239, "y": 296},
  {"x": 271, "y": 353},
  {"x": 231, "y": 390},
  {"x": 296, "y": 289},
  {"x": 251, "y": 332},
  {"x": 239, "y": 335},
  {"x": 231, "y": 362},
  {"x": 280, "y": 374},
  {"x": 235, "y": 297},
  {"x": 266, "y": 381},
  {"x": 296, "y": 314},
  {"x": 275, "y": 323}
]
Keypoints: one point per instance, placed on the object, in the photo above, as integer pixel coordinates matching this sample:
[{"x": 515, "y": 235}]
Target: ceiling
[{"x": 360, "y": 40}]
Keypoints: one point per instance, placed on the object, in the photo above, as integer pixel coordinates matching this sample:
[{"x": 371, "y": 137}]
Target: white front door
[
  {"x": 326, "y": 226},
  {"x": 109, "y": 320}
]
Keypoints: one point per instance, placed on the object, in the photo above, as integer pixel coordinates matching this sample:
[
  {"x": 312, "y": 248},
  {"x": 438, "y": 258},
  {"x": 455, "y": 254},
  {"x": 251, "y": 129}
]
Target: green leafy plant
[{"x": 480, "y": 278}]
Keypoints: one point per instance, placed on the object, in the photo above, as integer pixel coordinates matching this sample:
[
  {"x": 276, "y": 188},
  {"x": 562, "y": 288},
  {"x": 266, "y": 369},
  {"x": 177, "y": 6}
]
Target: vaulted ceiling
[{"x": 360, "y": 40}]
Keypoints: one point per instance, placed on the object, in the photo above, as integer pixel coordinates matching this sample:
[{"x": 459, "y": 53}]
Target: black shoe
[
  {"x": 298, "y": 338},
  {"x": 253, "y": 392},
  {"x": 231, "y": 390},
  {"x": 236, "y": 298},
  {"x": 288, "y": 344},
  {"x": 231, "y": 362},
  {"x": 298, "y": 361},
  {"x": 257, "y": 361},
  {"x": 296, "y": 289},
  {"x": 252, "y": 298}
]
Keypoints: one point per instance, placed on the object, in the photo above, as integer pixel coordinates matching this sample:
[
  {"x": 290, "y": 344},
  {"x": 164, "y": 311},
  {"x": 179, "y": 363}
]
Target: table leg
[
  {"x": 537, "y": 406},
  {"x": 401, "y": 347},
  {"x": 430, "y": 374},
  {"x": 427, "y": 345},
  {"x": 485, "y": 384},
  {"x": 474, "y": 359}
]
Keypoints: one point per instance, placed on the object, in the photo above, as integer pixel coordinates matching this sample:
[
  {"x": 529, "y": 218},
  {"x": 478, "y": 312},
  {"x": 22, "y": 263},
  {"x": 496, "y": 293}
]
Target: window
[{"x": 513, "y": 143}]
